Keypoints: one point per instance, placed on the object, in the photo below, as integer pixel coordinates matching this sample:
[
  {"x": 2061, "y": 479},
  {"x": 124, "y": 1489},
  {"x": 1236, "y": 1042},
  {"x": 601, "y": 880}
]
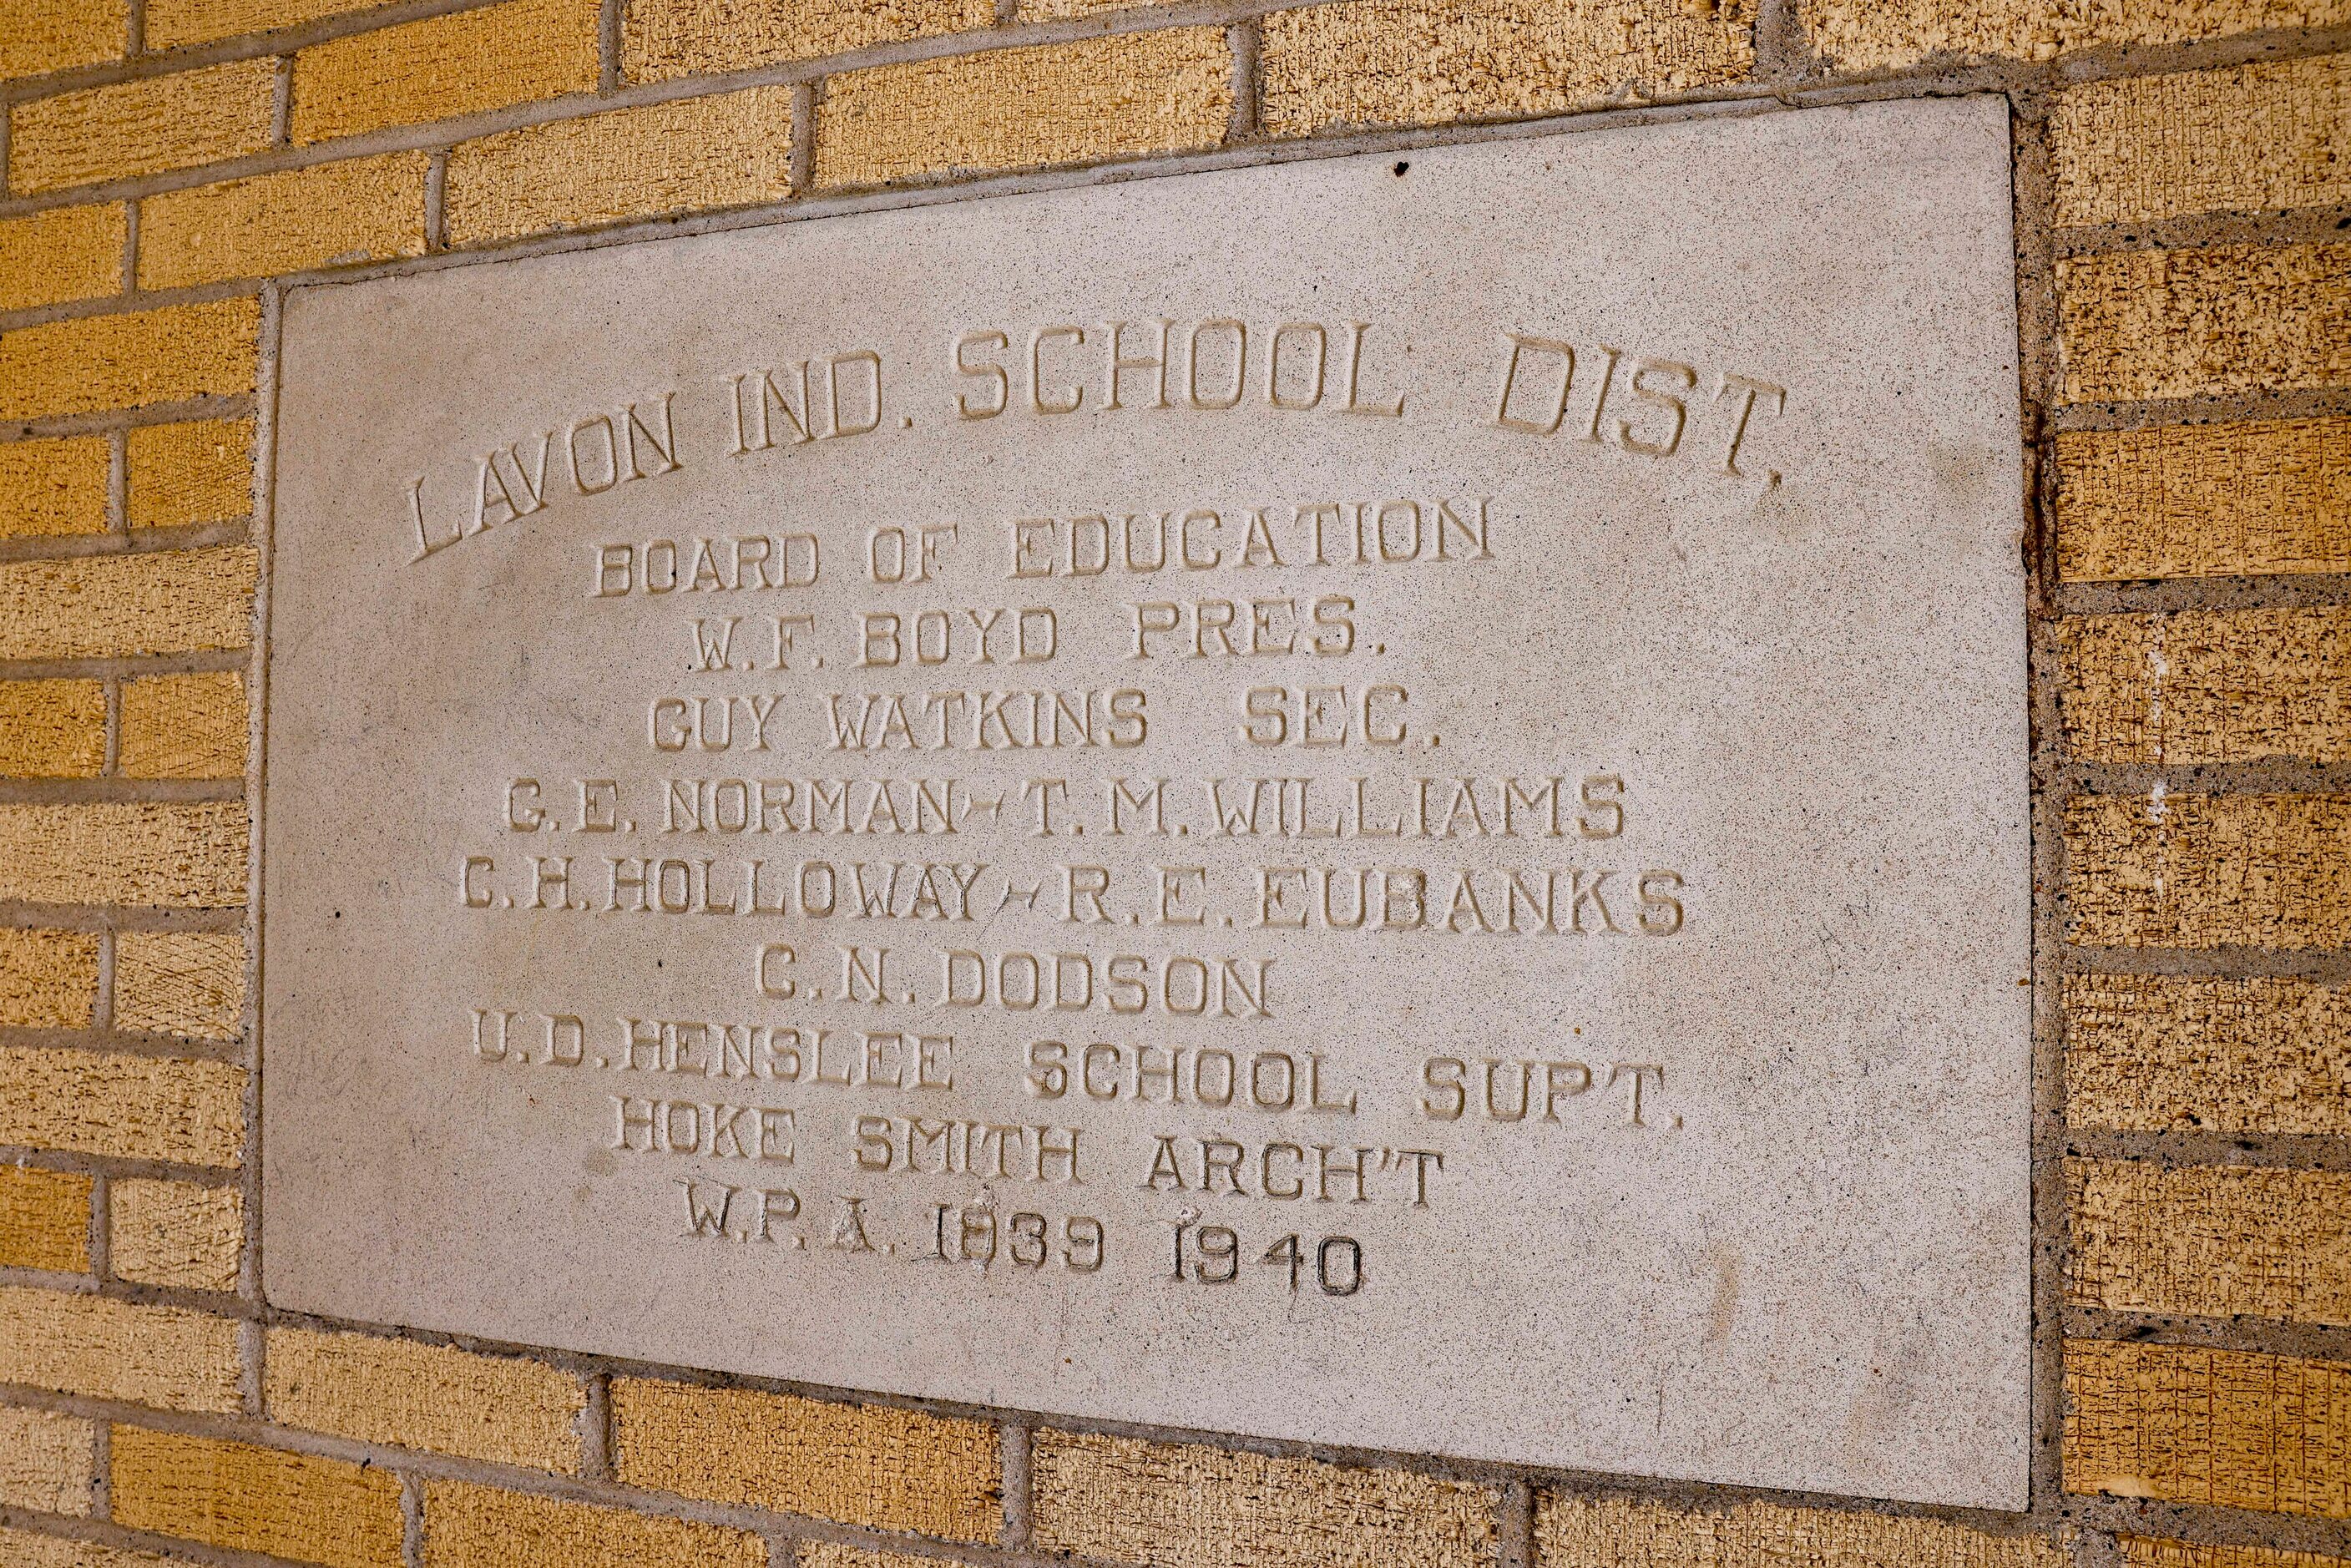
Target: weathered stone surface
[
  {"x": 180, "y": 982},
  {"x": 140, "y": 127},
  {"x": 250, "y": 1499},
  {"x": 1704, "y": 850},
  {"x": 666, "y": 39},
  {"x": 201, "y": 472},
  {"x": 167, "y": 1357},
  {"x": 368, "y": 209},
  {"x": 44, "y": 1220},
  {"x": 2209, "y": 871},
  {"x": 2185, "y": 323},
  {"x": 138, "y": 1107},
  {"x": 45, "y": 1461},
  {"x": 443, "y": 67}
]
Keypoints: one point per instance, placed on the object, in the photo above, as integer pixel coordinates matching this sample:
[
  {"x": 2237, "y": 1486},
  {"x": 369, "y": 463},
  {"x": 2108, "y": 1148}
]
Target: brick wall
[{"x": 2184, "y": 208}]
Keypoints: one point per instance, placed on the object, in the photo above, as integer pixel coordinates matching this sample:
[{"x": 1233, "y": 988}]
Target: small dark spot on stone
[{"x": 1402, "y": 165}]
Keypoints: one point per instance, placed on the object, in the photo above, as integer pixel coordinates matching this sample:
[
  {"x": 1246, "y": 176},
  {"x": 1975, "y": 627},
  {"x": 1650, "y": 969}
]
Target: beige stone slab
[{"x": 1740, "y": 707}]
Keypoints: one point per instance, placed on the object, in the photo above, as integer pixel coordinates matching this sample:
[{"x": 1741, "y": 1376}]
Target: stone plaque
[{"x": 1378, "y": 800}]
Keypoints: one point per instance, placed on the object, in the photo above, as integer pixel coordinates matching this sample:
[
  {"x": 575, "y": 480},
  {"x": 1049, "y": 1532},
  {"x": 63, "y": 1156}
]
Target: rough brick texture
[
  {"x": 53, "y": 487},
  {"x": 730, "y": 150},
  {"x": 2211, "y": 870},
  {"x": 1573, "y": 1532},
  {"x": 180, "y": 982},
  {"x": 200, "y": 472},
  {"x": 832, "y": 1555},
  {"x": 44, "y": 1220},
  {"x": 129, "y": 361},
  {"x": 141, "y": 127},
  {"x": 2184, "y": 323},
  {"x": 497, "y": 1408},
  {"x": 2230, "y": 1429},
  {"x": 172, "y": 23},
  {"x": 185, "y": 857},
  {"x": 1100, "y": 98},
  {"x": 23, "y": 1549},
  {"x": 1878, "y": 34},
  {"x": 1126, "y": 1501},
  {"x": 184, "y": 726},
  {"x": 2183, "y": 1053},
  {"x": 444, "y": 67},
  {"x": 38, "y": 35},
  {"x": 2205, "y": 500},
  {"x": 167, "y": 1357},
  {"x": 2139, "y": 1551},
  {"x": 2258, "y": 138},
  {"x": 44, "y": 1462},
  {"x": 174, "y": 1233},
  {"x": 857, "y": 1464},
  {"x": 52, "y": 729},
  {"x": 368, "y": 209},
  {"x": 46, "y": 978},
  {"x": 1429, "y": 61},
  {"x": 107, "y": 606},
  {"x": 2208, "y": 687},
  {"x": 468, "y": 1526},
  {"x": 2210, "y": 1241},
  {"x": 249, "y": 1498},
  {"x": 68, "y": 253},
  {"x": 133, "y": 1107},
  {"x": 666, "y": 38}
]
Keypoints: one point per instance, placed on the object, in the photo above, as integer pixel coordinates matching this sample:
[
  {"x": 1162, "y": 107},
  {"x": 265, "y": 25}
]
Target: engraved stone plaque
[{"x": 1378, "y": 800}]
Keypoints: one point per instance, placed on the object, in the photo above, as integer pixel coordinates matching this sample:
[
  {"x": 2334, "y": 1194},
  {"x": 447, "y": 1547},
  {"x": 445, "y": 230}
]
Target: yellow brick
[
  {"x": 2205, "y": 500},
  {"x": 2163, "y": 1053},
  {"x": 832, "y": 1555},
  {"x": 2183, "y": 323},
  {"x": 47, "y": 978},
  {"x": 184, "y": 726},
  {"x": 166, "y": 1357},
  {"x": 468, "y": 1526},
  {"x": 23, "y": 1549},
  {"x": 1059, "y": 103},
  {"x": 444, "y": 67},
  {"x": 1126, "y": 1501},
  {"x": 2211, "y": 870},
  {"x": 195, "y": 473},
  {"x": 2205, "y": 687},
  {"x": 174, "y": 1233},
  {"x": 368, "y": 209},
  {"x": 2210, "y": 1241},
  {"x": 1386, "y": 62},
  {"x": 132, "y": 1107},
  {"x": 44, "y": 1462},
  {"x": 143, "y": 127},
  {"x": 1877, "y": 34},
  {"x": 38, "y": 35},
  {"x": 728, "y": 150},
  {"x": 666, "y": 39},
  {"x": 66, "y": 252},
  {"x": 249, "y": 1498},
  {"x": 2259, "y": 138},
  {"x": 2219, "y": 1427},
  {"x": 170, "y": 856},
  {"x": 2139, "y": 1551},
  {"x": 410, "y": 1395},
  {"x": 52, "y": 729},
  {"x": 128, "y": 359},
  {"x": 1574, "y": 1532},
  {"x": 44, "y": 1222},
  {"x": 172, "y": 23},
  {"x": 857, "y": 1464},
  {"x": 180, "y": 982},
  {"x": 107, "y": 606},
  {"x": 53, "y": 487}
]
